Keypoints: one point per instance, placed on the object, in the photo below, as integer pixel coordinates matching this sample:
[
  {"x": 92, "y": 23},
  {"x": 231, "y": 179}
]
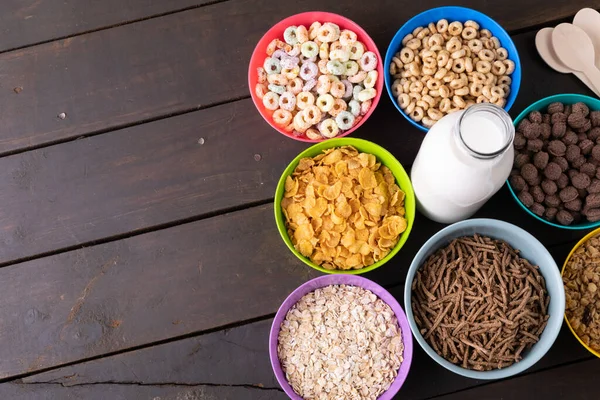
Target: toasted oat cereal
[
  {"x": 340, "y": 342},
  {"x": 343, "y": 209},
  {"x": 581, "y": 279}
]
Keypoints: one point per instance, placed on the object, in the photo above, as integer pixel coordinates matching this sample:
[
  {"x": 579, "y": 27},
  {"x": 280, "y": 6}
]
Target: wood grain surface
[
  {"x": 158, "y": 173},
  {"x": 178, "y": 63}
]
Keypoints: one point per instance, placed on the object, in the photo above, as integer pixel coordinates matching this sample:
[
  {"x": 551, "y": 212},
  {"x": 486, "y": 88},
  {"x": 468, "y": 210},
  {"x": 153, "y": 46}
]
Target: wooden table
[{"x": 139, "y": 255}]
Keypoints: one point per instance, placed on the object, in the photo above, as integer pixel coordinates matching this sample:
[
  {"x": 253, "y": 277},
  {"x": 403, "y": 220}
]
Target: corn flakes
[{"x": 343, "y": 209}]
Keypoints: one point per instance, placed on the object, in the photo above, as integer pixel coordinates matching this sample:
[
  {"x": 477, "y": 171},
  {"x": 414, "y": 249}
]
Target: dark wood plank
[
  {"x": 144, "y": 289},
  {"x": 156, "y": 173},
  {"x": 26, "y": 22},
  {"x": 178, "y": 63},
  {"x": 578, "y": 381},
  {"x": 203, "y": 360},
  {"x": 17, "y": 391}
]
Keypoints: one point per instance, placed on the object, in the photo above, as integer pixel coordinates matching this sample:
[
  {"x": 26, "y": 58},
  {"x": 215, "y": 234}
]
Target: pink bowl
[
  {"x": 341, "y": 279},
  {"x": 306, "y": 19}
]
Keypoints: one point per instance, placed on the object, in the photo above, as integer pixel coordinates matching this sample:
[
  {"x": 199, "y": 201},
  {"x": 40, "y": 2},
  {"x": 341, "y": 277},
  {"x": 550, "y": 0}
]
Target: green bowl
[
  {"x": 383, "y": 156},
  {"x": 540, "y": 105}
]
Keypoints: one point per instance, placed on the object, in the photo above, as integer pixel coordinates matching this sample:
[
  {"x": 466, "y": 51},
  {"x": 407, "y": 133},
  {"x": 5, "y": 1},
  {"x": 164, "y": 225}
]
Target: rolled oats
[
  {"x": 581, "y": 279},
  {"x": 340, "y": 342}
]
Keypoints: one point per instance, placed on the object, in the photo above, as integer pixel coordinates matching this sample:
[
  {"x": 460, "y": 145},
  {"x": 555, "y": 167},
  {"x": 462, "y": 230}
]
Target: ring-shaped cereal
[
  {"x": 414, "y": 44},
  {"x": 335, "y": 67},
  {"x": 469, "y": 33},
  {"x": 335, "y": 46},
  {"x": 262, "y": 75},
  {"x": 304, "y": 99},
  {"x": 312, "y": 115},
  {"x": 442, "y": 25},
  {"x": 309, "y": 49},
  {"x": 475, "y": 89},
  {"x": 356, "y": 90},
  {"x": 407, "y": 55},
  {"x": 368, "y": 61},
  {"x": 453, "y": 44},
  {"x": 428, "y": 71},
  {"x": 276, "y": 88},
  {"x": 426, "y": 53},
  {"x": 324, "y": 51},
  {"x": 414, "y": 69},
  {"x": 393, "y": 69},
  {"x": 325, "y": 102},
  {"x": 478, "y": 77},
  {"x": 309, "y": 85},
  {"x": 435, "y": 40},
  {"x": 472, "y": 24},
  {"x": 366, "y": 94},
  {"x": 328, "y": 128},
  {"x": 434, "y": 114},
  {"x": 282, "y": 117},
  {"x": 336, "y": 29},
  {"x": 407, "y": 38},
  {"x": 505, "y": 88},
  {"x": 430, "y": 100},
  {"x": 505, "y": 80},
  {"x": 434, "y": 84},
  {"x": 295, "y": 86},
  {"x": 456, "y": 84},
  {"x": 272, "y": 65},
  {"x": 403, "y": 100},
  {"x": 342, "y": 55},
  {"x": 432, "y": 28},
  {"x": 300, "y": 123},
  {"x": 348, "y": 89},
  {"x": 459, "y": 65},
  {"x": 498, "y": 68},
  {"x": 289, "y": 62},
  {"x": 427, "y": 122},
  {"x": 326, "y": 34},
  {"x": 500, "y": 102},
  {"x": 510, "y": 66},
  {"x": 371, "y": 79},
  {"x": 323, "y": 84},
  {"x": 491, "y": 79},
  {"x": 277, "y": 79},
  {"x": 423, "y": 33},
  {"x": 302, "y": 34},
  {"x": 455, "y": 28},
  {"x": 396, "y": 61},
  {"x": 294, "y": 51},
  {"x": 344, "y": 120},
  {"x": 445, "y": 105},
  {"x": 313, "y": 30},
  {"x": 458, "y": 54},
  {"x": 271, "y": 101},
  {"x": 354, "y": 107},
  {"x": 416, "y": 87},
  {"x": 475, "y": 45},
  {"x": 463, "y": 91},
  {"x": 444, "y": 91},
  {"x": 458, "y": 101},
  {"x": 260, "y": 89},
  {"x": 483, "y": 67},
  {"x": 423, "y": 104},
  {"x": 356, "y": 51},
  {"x": 416, "y": 31},
  {"x": 287, "y": 101},
  {"x": 417, "y": 114},
  {"x": 291, "y": 73},
  {"x": 339, "y": 105},
  {"x": 364, "y": 108},
  {"x": 430, "y": 62},
  {"x": 441, "y": 73},
  {"x": 415, "y": 96},
  {"x": 358, "y": 77},
  {"x": 485, "y": 33},
  {"x": 497, "y": 91},
  {"x": 411, "y": 106},
  {"x": 289, "y": 35},
  {"x": 486, "y": 55},
  {"x": 309, "y": 70},
  {"x": 487, "y": 92},
  {"x": 496, "y": 42},
  {"x": 338, "y": 89},
  {"x": 488, "y": 43},
  {"x": 501, "y": 54},
  {"x": 347, "y": 37},
  {"x": 313, "y": 134},
  {"x": 482, "y": 99},
  {"x": 290, "y": 127}
]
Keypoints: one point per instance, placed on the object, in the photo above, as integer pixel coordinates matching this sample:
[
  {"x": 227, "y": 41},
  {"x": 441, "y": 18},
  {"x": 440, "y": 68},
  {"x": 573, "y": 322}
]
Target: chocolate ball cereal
[
  {"x": 562, "y": 181},
  {"x": 564, "y": 217},
  {"x": 550, "y": 213},
  {"x": 540, "y": 160},
  {"x": 594, "y": 186},
  {"x": 588, "y": 168},
  {"x": 538, "y": 194},
  {"x": 535, "y": 145},
  {"x": 526, "y": 198},
  {"x": 574, "y": 205},
  {"x": 552, "y": 171},
  {"x": 557, "y": 148},
  {"x": 559, "y": 129},
  {"x": 592, "y": 200},
  {"x": 567, "y": 194},
  {"x": 581, "y": 109},
  {"x": 548, "y": 186},
  {"x": 522, "y": 159},
  {"x": 538, "y": 209},
  {"x": 595, "y": 118},
  {"x": 570, "y": 138},
  {"x": 518, "y": 183},
  {"x": 520, "y": 141},
  {"x": 581, "y": 181},
  {"x": 552, "y": 200},
  {"x": 586, "y": 146},
  {"x": 554, "y": 108}
]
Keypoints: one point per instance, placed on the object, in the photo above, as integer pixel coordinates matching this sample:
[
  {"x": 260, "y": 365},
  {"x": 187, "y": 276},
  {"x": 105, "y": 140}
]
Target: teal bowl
[
  {"x": 531, "y": 249},
  {"x": 540, "y": 105}
]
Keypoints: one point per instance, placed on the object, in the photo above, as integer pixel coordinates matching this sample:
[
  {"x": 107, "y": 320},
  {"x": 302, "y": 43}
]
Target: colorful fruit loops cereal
[
  {"x": 319, "y": 82},
  {"x": 343, "y": 209},
  {"x": 445, "y": 67}
]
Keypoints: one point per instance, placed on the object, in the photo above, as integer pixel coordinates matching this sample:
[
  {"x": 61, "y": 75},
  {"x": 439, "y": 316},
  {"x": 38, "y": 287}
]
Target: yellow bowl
[{"x": 582, "y": 241}]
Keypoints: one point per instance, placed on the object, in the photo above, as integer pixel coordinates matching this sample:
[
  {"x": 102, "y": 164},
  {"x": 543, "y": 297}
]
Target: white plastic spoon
[
  {"x": 543, "y": 43},
  {"x": 588, "y": 19},
  {"x": 576, "y": 51}
]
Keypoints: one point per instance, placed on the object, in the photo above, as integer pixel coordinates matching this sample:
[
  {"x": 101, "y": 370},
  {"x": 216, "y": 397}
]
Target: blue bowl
[
  {"x": 532, "y": 250},
  {"x": 540, "y": 105},
  {"x": 453, "y": 13}
]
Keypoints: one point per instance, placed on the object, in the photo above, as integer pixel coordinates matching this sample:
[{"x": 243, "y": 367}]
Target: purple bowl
[{"x": 341, "y": 279}]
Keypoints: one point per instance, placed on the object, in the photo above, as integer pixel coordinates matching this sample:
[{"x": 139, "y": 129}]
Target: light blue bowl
[
  {"x": 541, "y": 105},
  {"x": 453, "y": 13},
  {"x": 532, "y": 250}
]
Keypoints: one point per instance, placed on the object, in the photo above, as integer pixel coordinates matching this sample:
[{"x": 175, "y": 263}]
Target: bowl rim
[
  {"x": 537, "y": 106},
  {"x": 313, "y": 16},
  {"x": 551, "y": 330},
  {"x": 331, "y": 143},
  {"x": 562, "y": 271},
  {"x": 344, "y": 279},
  {"x": 515, "y": 85}
]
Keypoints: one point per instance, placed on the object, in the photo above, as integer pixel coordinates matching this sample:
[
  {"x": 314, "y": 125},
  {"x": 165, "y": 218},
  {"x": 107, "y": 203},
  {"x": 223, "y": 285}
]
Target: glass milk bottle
[{"x": 464, "y": 160}]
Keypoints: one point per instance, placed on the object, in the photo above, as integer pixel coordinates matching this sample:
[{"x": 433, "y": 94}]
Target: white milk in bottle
[{"x": 464, "y": 159}]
